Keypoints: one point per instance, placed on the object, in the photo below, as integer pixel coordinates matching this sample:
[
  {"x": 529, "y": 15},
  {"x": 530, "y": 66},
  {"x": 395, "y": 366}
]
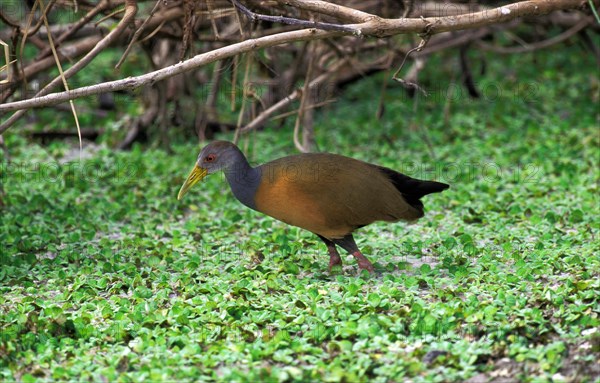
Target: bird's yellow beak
[{"x": 195, "y": 176}]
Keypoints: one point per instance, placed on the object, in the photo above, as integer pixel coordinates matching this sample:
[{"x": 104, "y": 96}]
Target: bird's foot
[
  {"x": 363, "y": 262},
  {"x": 366, "y": 266},
  {"x": 334, "y": 261}
]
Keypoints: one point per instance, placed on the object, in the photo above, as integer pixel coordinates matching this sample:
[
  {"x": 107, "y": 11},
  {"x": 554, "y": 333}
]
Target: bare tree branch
[
  {"x": 539, "y": 45},
  {"x": 374, "y": 26},
  {"x": 130, "y": 11},
  {"x": 137, "y": 34},
  {"x": 292, "y": 21},
  {"x": 330, "y": 9},
  {"x": 75, "y": 27}
]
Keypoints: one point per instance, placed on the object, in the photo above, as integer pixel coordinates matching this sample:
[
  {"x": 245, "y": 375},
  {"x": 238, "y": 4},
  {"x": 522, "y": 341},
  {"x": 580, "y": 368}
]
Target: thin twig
[
  {"x": 409, "y": 84},
  {"x": 594, "y": 11},
  {"x": 6, "y": 154},
  {"x": 7, "y": 20},
  {"x": 530, "y": 47},
  {"x": 330, "y": 9},
  {"x": 8, "y": 62},
  {"x": 213, "y": 23},
  {"x": 75, "y": 27},
  {"x": 62, "y": 75},
  {"x": 207, "y": 111},
  {"x": 312, "y": 106},
  {"x": 24, "y": 39},
  {"x": 155, "y": 31},
  {"x": 234, "y": 69},
  {"x": 243, "y": 107},
  {"x": 112, "y": 14},
  {"x": 377, "y": 27},
  {"x": 264, "y": 116},
  {"x": 292, "y": 21},
  {"x": 137, "y": 34},
  {"x": 130, "y": 11},
  {"x": 381, "y": 105},
  {"x": 305, "y": 97},
  {"x": 408, "y": 6},
  {"x": 40, "y": 22}
]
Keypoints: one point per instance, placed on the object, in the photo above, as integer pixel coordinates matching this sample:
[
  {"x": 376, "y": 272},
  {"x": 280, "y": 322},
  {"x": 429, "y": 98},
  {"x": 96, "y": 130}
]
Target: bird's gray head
[{"x": 218, "y": 155}]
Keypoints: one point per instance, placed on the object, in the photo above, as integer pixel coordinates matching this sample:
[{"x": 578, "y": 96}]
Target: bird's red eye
[{"x": 210, "y": 158}]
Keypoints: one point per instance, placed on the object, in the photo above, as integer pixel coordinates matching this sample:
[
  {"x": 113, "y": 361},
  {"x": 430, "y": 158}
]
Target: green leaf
[
  {"x": 576, "y": 216},
  {"x": 373, "y": 299}
]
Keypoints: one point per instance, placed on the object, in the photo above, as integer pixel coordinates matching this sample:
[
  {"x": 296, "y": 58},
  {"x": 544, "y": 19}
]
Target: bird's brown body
[
  {"x": 327, "y": 194},
  {"x": 351, "y": 194}
]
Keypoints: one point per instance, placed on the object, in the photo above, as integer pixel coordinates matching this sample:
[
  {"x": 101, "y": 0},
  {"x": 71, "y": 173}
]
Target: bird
[{"x": 327, "y": 194}]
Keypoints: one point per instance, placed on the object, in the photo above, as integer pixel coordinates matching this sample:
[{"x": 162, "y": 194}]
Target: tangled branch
[{"x": 343, "y": 28}]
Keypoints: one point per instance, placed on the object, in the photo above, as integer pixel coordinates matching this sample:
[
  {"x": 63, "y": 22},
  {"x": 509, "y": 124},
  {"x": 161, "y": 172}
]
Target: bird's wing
[{"x": 328, "y": 194}]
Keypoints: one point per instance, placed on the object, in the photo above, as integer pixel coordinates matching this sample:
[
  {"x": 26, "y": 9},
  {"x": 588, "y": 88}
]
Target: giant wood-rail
[{"x": 327, "y": 194}]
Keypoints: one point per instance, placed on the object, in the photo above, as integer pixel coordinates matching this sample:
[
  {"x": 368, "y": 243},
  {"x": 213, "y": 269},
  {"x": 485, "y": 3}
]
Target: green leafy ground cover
[{"x": 105, "y": 276}]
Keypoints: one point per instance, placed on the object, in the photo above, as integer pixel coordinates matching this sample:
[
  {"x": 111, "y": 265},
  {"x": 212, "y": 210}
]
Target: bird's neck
[{"x": 243, "y": 180}]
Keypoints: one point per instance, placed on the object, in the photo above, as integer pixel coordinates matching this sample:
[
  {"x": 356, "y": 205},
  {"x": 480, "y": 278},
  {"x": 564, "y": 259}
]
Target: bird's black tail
[{"x": 412, "y": 189}]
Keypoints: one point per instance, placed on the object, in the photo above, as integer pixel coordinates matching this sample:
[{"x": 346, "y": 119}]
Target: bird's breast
[{"x": 285, "y": 201}]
